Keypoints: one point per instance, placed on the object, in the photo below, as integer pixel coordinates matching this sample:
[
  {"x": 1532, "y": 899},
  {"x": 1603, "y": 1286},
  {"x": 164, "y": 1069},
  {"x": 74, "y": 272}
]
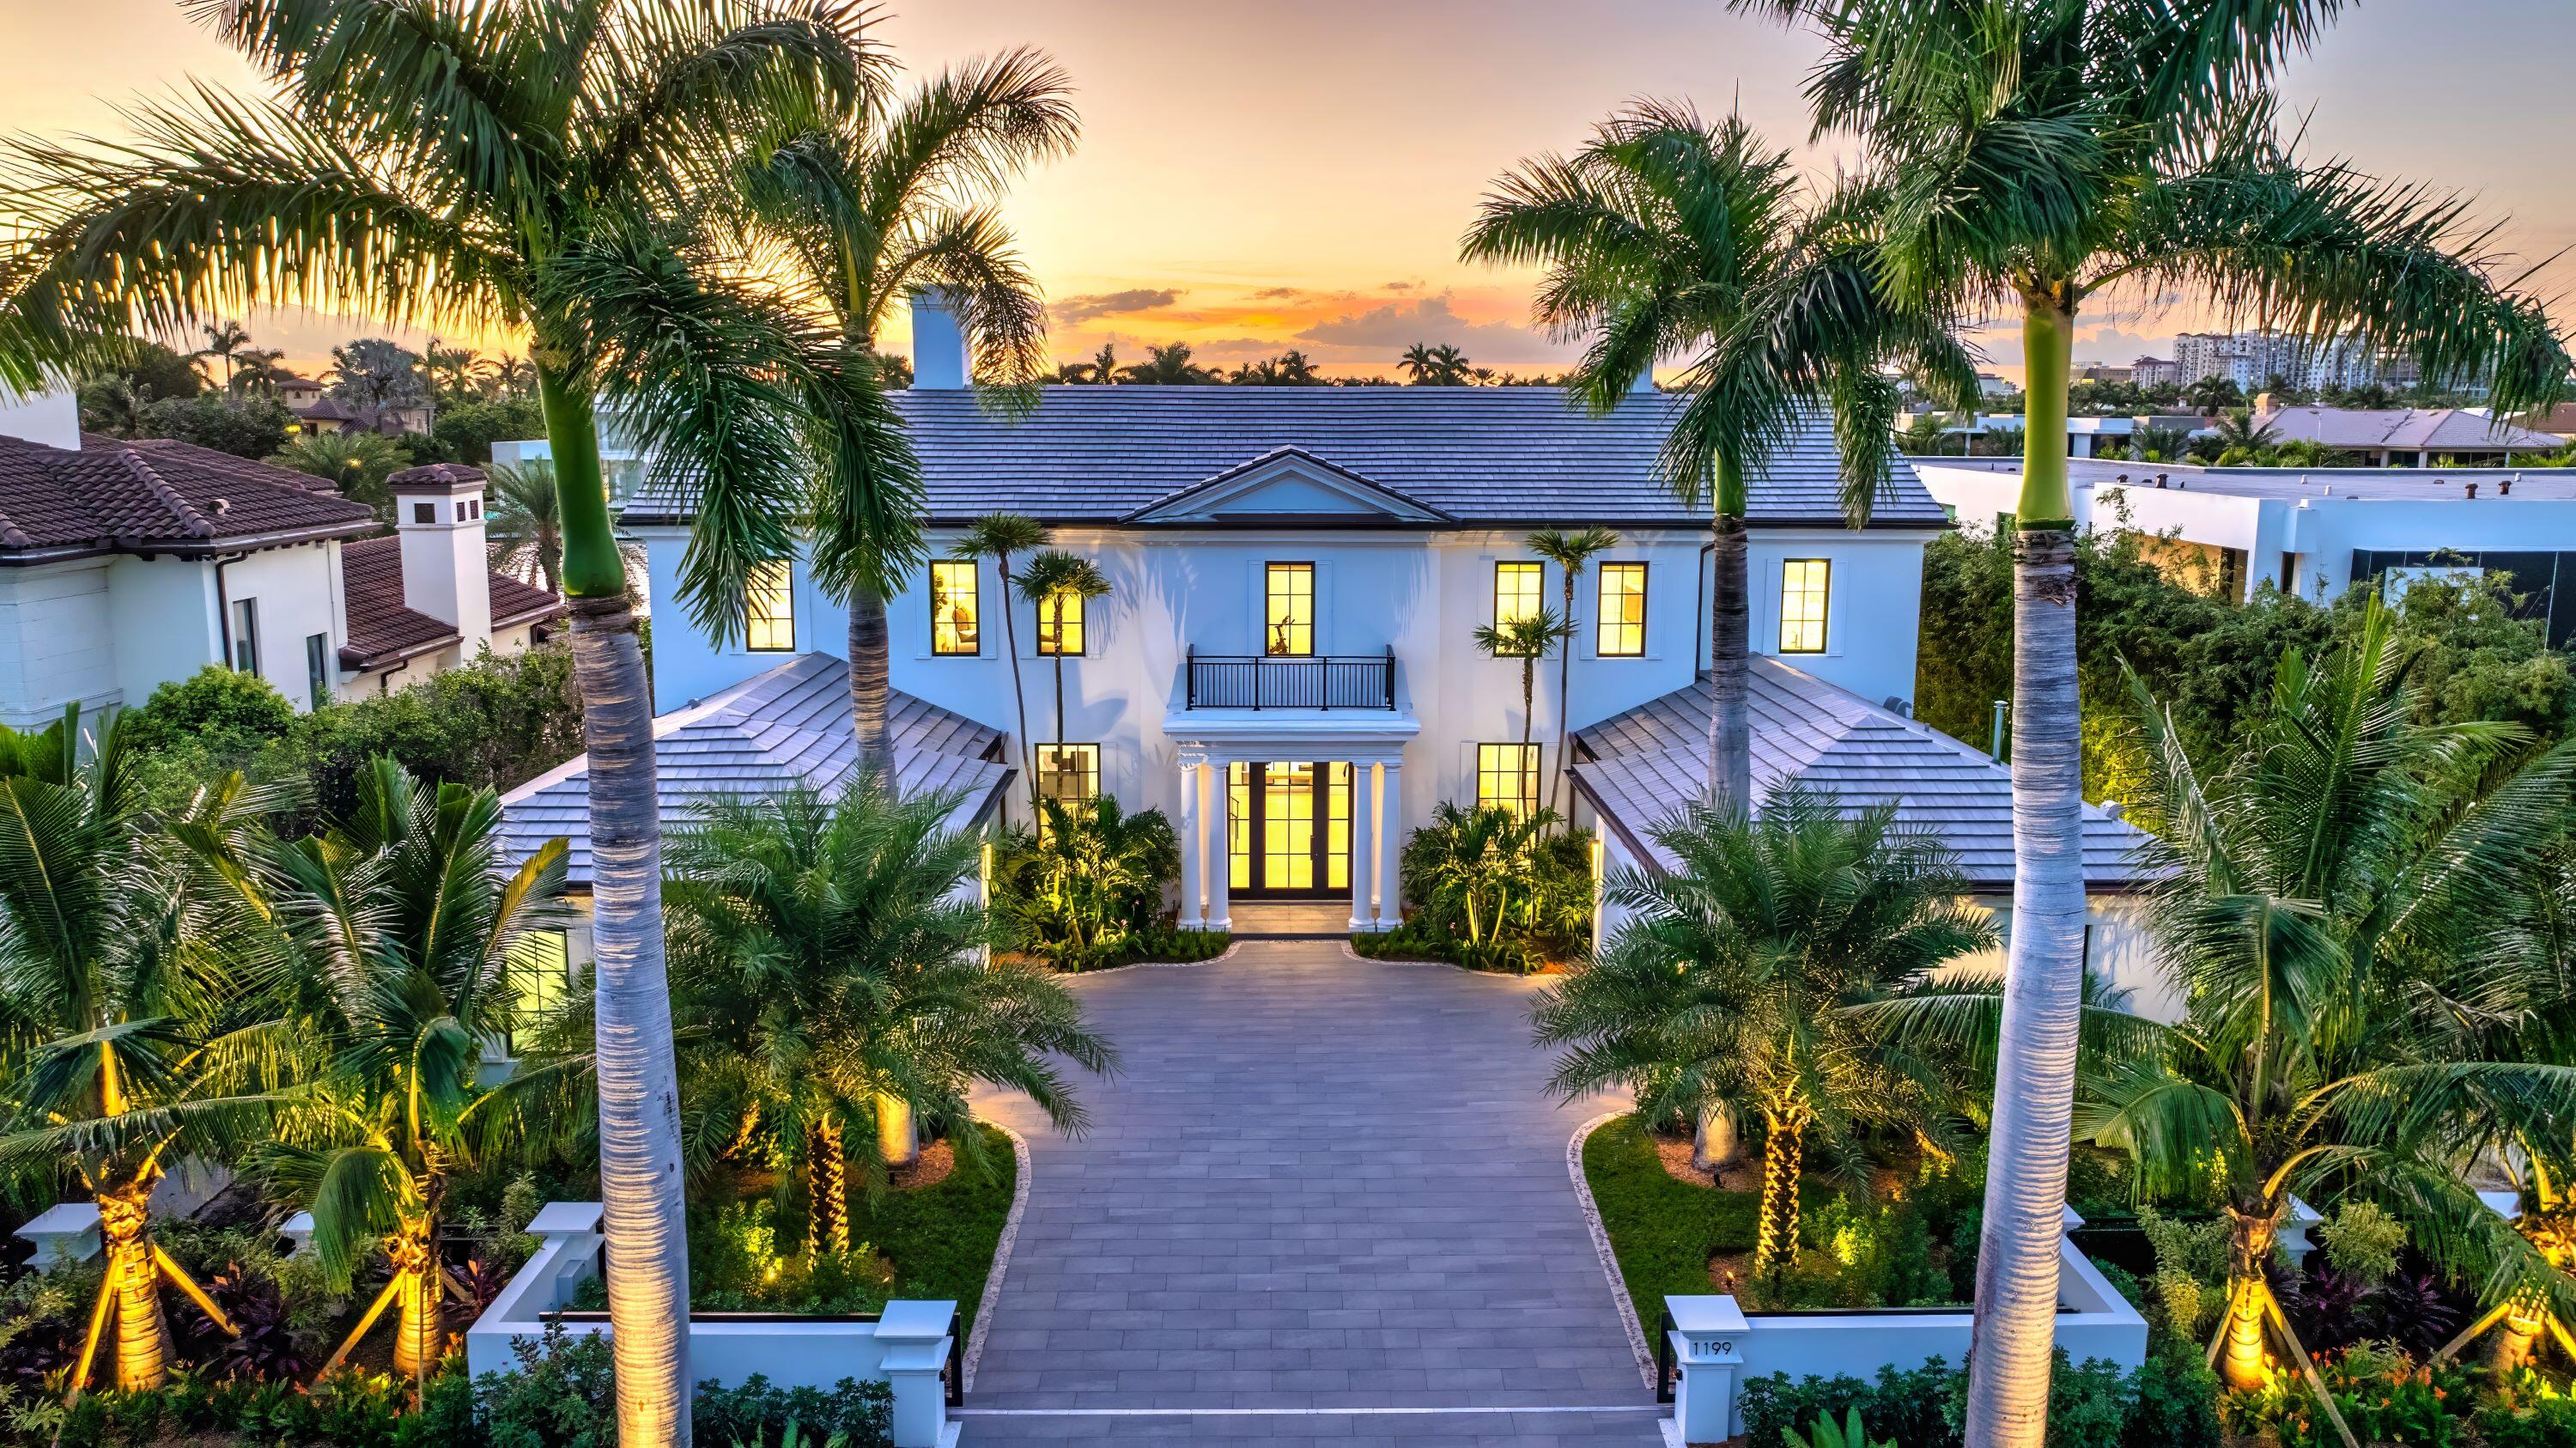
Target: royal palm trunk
[
  {"x": 142, "y": 1334},
  {"x": 644, "y": 1216},
  {"x": 870, "y": 689},
  {"x": 1730, "y": 723},
  {"x": 2034, "y": 1098}
]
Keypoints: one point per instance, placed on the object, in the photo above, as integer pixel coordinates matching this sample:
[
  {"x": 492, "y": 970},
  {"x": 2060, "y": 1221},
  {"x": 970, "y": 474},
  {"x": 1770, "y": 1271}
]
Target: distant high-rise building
[
  {"x": 2155, "y": 372},
  {"x": 2252, "y": 359}
]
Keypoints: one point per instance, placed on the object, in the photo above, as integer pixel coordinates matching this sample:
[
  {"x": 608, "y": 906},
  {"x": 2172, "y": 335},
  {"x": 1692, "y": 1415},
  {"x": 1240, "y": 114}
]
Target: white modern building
[
  {"x": 2315, "y": 532},
  {"x": 126, "y": 565}
]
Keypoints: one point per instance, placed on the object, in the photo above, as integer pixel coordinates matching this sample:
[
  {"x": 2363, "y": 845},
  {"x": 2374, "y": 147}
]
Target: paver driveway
[{"x": 1317, "y": 1184}]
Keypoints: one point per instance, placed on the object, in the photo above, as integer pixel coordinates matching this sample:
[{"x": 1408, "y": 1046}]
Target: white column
[
  {"x": 1390, "y": 846},
  {"x": 1193, "y": 843},
  {"x": 1220, "y": 868},
  {"x": 1363, "y": 860}
]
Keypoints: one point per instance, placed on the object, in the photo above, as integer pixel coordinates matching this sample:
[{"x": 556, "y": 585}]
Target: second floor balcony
[{"x": 1298, "y": 681}]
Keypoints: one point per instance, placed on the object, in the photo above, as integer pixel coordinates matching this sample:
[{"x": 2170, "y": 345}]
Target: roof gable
[{"x": 1290, "y": 485}]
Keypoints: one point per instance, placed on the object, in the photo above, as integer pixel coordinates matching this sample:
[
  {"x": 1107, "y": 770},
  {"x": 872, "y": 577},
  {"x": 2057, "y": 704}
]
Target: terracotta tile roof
[
  {"x": 153, "y": 496},
  {"x": 383, "y": 629}
]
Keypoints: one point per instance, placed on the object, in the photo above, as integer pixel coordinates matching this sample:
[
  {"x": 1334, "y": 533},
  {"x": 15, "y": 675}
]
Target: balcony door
[{"x": 1292, "y": 829}]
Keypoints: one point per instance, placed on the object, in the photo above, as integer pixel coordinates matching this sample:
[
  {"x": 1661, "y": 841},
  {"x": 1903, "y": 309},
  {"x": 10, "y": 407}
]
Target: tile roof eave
[{"x": 186, "y": 548}]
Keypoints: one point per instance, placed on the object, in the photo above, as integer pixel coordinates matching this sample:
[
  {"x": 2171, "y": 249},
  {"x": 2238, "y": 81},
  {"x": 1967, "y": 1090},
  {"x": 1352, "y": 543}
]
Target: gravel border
[
  {"x": 1601, "y": 1244},
  {"x": 1001, "y": 1256}
]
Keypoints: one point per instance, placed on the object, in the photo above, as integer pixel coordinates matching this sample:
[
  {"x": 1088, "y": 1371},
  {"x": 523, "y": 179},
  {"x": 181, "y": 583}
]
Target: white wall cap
[{"x": 566, "y": 1219}]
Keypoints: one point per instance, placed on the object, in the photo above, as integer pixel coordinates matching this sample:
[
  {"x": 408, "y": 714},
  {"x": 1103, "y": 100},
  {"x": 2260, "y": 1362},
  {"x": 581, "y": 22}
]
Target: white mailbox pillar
[
  {"x": 915, "y": 1336},
  {"x": 1707, "y": 1342}
]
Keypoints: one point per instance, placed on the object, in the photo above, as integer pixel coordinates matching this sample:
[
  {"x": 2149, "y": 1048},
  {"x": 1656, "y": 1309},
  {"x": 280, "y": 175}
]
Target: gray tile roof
[
  {"x": 1490, "y": 456},
  {"x": 788, "y": 726},
  {"x": 1639, "y": 767}
]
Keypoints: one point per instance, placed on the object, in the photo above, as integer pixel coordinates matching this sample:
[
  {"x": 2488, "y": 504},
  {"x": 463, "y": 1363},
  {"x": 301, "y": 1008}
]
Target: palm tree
[
  {"x": 356, "y": 462},
  {"x": 1165, "y": 366},
  {"x": 1569, "y": 552},
  {"x": 1087, "y": 878},
  {"x": 1000, "y": 536},
  {"x": 870, "y": 204},
  {"x": 514, "y": 376},
  {"x": 503, "y": 168},
  {"x": 225, "y": 340},
  {"x": 1525, "y": 639},
  {"x": 2039, "y": 153},
  {"x": 404, "y": 924},
  {"x": 1477, "y": 862},
  {"x": 1054, "y": 576},
  {"x": 1738, "y": 977},
  {"x": 1441, "y": 366},
  {"x": 259, "y": 368},
  {"x": 825, "y": 944},
  {"x": 1101, "y": 370},
  {"x": 1296, "y": 369},
  {"x": 1667, "y": 234},
  {"x": 2238, "y": 434},
  {"x": 2211, "y": 395},
  {"x": 457, "y": 372},
  {"x": 525, "y": 527},
  {"x": 129, "y": 1033}
]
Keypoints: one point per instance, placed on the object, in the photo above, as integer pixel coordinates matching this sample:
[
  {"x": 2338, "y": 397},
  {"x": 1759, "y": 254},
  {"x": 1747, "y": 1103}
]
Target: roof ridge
[{"x": 197, "y": 523}]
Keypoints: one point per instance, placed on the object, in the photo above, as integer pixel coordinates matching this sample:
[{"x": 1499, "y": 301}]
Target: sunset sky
[{"x": 1257, "y": 176}]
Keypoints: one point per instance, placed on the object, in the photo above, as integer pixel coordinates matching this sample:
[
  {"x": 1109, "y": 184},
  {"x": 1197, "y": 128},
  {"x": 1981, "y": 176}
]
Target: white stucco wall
[
  {"x": 298, "y": 592},
  {"x": 51, "y": 418},
  {"x": 165, "y": 623},
  {"x": 57, "y": 642}
]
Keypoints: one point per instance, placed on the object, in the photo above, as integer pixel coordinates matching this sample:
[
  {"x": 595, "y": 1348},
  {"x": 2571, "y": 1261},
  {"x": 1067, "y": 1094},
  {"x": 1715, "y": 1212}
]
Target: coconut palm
[
  {"x": 131, "y": 1032},
  {"x": 1169, "y": 365},
  {"x": 2039, "y": 154},
  {"x": 1669, "y": 235},
  {"x": 1570, "y": 552},
  {"x": 1052, "y": 578},
  {"x": 866, "y": 206},
  {"x": 1001, "y": 536},
  {"x": 1429, "y": 366},
  {"x": 225, "y": 342},
  {"x": 1525, "y": 639},
  {"x": 1740, "y": 974},
  {"x": 831, "y": 945},
  {"x": 525, "y": 525},
  {"x": 454, "y": 372},
  {"x": 1101, "y": 370},
  {"x": 2237, "y": 432},
  {"x": 357, "y": 463},
  {"x": 514, "y": 166}
]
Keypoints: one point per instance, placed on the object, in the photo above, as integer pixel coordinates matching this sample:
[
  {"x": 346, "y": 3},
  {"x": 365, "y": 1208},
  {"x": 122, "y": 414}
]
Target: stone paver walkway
[{"x": 1317, "y": 1184}]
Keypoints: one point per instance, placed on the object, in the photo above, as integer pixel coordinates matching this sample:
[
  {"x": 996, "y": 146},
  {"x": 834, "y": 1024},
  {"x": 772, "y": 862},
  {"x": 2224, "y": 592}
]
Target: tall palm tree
[
  {"x": 454, "y": 372},
  {"x": 1169, "y": 365},
  {"x": 825, "y": 944},
  {"x": 1052, "y": 578},
  {"x": 512, "y": 165},
  {"x": 526, "y": 523},
  {"x": 1525, "y": 639},
  {"x": 260, "y": 367},
  {"x": 867, "y": 205},
  {"x": 225, "y": 341},
  {"x": 1296, "y": 369},
  {"x": 1669, "y": 235},
  {"x": 2038, "y": 154},
  {"x": 1001, "y": 537},
  {"x": 1429, "y": 366},
  {"x": 132, "y": 1033},
  {"x": 1571, "y": 553},
  {"x": 356, "y": 461},
  {"x": 1739, "y": 975},
  {"x": 404, "y": 924}
]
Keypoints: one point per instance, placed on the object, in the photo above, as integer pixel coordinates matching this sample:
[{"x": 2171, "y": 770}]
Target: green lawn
[
  {"x": 1663, "y": 1231},
  {"x": 941, "y": 1238}
]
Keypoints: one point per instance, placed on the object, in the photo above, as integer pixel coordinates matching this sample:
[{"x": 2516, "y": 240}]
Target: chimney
[
  {"x": 438, "y": 514},
  {"x": 938, "y": 342},
  {"x": 2505, "y": 489},
  {"x": 2473, "y": 490}
]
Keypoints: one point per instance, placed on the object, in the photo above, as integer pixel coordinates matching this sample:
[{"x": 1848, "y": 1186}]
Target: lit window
[
  {"x": 540, "y": 972},
  {"x": 1069, "y": 773},
  {"x": 246, "y": 635},
  {"x": 1517, "y": 591},
  {"x": 1290, "y": 630},
  {"x": 770, "y": 607},
  {"x": 1622, "y": 625},
  {"x": 1060, "y": 626},
  {"x": 1805, "y": 586},
  {"x": 1507, "y": 775},
  {"x": 956, "y": 607}
]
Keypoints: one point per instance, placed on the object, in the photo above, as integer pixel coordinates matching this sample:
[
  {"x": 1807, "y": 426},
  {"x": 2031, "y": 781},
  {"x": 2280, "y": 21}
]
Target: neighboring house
[
  {"x": 126, "y": 565},
  {"x": 314, "y": 409},
  {"x": 2315, "y": 531},
  {"x": 2558, "y": 421},
  {"x": 2084, "y": 435},
  {"x": 2399, "y": 437}
]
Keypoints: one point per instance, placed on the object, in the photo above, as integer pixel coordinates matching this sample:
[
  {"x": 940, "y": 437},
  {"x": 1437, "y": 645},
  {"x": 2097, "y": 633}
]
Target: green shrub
[
  {"x": 1080, "y": 891},
  {"x": 2361, "y": 1239},
  {"x": 2177, "y": 1401},
  {"x": 215, "y": 703},
  {"x": 2547, "y": 1421},
  {"x": 564, "y": 1394},
  {"x": 248, "y": 427},
  {"x": 2094, "y": 1405},
  {"x": 1495, "y": 892}
]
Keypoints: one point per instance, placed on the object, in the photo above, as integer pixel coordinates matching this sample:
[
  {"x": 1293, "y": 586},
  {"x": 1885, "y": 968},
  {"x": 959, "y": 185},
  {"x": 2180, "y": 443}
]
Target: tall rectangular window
[
  {"x": 317, "y": 668},
  {"x": 1518, "y": 591},
  {"x": 956, "y": 606},
  {"x": 1622, "y": 623},
  {"x": 769, "y": 606},
  {"x": 539, "y": 969},
  {"x": 1507, "y": 775},
  {"x": 1806, "y": 588},
  {"x": 1289, "y": 630},
  {"x": 1060, "y": 626},
  {"x": 1069, "y": 773},
  {"x": 246, "y": 635}
]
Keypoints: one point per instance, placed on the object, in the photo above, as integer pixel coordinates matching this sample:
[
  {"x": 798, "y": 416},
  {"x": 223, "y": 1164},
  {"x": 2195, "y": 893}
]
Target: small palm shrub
[
  {"x": 1494, "y": 890},
  {"x": 1087, "y": 890}
]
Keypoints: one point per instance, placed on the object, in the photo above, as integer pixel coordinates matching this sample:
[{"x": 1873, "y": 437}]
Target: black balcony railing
[{"x": 1312, "y": 681}]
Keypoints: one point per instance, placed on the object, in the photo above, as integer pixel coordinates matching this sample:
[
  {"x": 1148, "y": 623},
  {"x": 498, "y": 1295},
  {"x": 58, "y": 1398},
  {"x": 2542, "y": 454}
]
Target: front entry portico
[{"x": 1281, "y": 807}]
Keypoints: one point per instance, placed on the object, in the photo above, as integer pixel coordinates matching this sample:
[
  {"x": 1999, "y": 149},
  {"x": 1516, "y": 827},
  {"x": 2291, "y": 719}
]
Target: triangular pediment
[{"x": 1288, "y": 485}]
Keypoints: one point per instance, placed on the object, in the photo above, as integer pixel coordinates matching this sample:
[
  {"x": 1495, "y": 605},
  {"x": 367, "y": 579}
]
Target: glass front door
[{"x": 1291, "y": 832}]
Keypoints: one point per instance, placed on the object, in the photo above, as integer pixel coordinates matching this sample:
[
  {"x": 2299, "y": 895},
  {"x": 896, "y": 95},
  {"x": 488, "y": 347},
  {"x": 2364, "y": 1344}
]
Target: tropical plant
[
  {"x": 1524, "y": 638},
  {"x": 225, "y": 342},
  {"x": 401, "y": 930},
  {"x": 1571, "y": 553},
  {"x": 1827, "y": 1434},
  {"x": 1101, "y": 370},
  {"x": 2213, "y": 395},
  {"x": 2237, "y": 431},
  {"x": 1479, "y": 867},
  {"x": 129, "y": 1040},
  {"x": 1670, "y": 235},
  {"x": 259, "y": 368},
  {"x": 453, "y": 373},
  {"x": 525, "y": 524},
  {"x": 1740, "y": 976},
  {"x": 1429, "y": 366},
  {"x": 1000, "y": 537},
  {"x": 503, "y": 169},
  {"x": 2039, "y": 154},
  {"x": 871, "y": 202},
  {"x": 1087, "y": 881},
  {"x": 374, "y": 376},
  {"x": 1167, "y": 366},
  {"x": 356, "y": 462},
  {"x": 1052, "y": 577},
  {"x": 835, "y": 978}
]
